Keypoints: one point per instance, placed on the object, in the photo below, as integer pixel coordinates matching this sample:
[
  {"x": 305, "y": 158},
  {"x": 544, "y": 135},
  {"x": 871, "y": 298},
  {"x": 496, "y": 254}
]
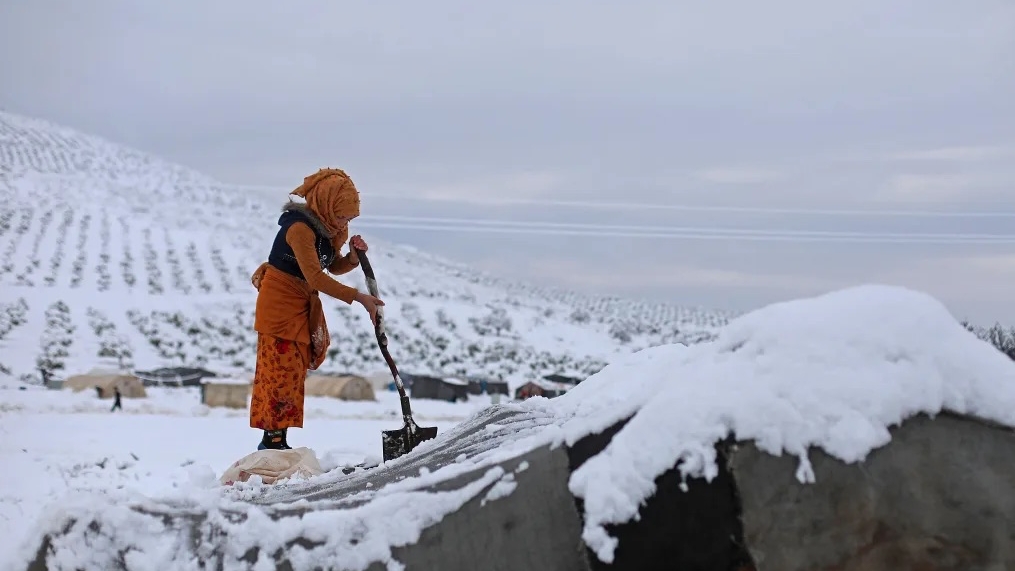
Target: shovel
[{"x": 394, "y": 443}]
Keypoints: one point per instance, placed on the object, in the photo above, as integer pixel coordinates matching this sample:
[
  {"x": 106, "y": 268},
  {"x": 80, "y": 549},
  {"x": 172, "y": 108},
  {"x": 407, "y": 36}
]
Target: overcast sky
[{"x": 818, "y": 108}]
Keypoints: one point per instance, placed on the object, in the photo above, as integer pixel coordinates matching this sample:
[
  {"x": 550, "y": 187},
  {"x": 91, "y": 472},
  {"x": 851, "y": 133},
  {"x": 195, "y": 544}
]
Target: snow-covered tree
[
  {"x": 497, "y": 321},
  {"x": 55, "y": 340},
  {"x": 112, "y": 345}
]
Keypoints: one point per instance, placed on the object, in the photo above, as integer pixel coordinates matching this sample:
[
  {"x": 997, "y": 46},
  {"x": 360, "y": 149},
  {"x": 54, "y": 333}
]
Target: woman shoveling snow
[{"x": 292, "y": 335}]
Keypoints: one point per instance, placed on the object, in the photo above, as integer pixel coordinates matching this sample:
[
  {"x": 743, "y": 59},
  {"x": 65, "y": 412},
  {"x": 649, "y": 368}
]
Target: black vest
[{"x": 282, "y": 256}]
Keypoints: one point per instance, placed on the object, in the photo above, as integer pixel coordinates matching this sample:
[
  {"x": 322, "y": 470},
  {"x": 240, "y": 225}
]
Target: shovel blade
[{"x": 395, "y": 443}]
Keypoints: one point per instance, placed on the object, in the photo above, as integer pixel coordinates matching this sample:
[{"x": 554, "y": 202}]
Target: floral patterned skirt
[{"x": 280, "y": 372}]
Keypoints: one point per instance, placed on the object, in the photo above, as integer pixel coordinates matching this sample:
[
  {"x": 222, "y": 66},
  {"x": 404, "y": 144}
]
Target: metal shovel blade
[{"x": 395, "y": 443}]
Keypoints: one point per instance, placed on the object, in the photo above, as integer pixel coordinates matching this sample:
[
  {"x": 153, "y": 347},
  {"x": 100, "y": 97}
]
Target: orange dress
[{"x": 292, "y": 333}]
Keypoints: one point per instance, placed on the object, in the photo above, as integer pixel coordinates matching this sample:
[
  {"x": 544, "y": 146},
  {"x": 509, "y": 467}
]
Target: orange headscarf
[{"x": 331, "y": 194}]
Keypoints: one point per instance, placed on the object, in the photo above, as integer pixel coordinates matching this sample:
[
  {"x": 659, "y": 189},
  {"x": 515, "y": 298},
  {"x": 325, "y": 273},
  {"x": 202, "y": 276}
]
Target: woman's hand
[
  {"x": 371, "y": 304},
  {"x": 356, "y": 243}
]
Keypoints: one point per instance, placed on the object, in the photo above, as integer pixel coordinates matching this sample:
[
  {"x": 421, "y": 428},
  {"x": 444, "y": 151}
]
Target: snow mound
[{"x": 833, "y": 371}]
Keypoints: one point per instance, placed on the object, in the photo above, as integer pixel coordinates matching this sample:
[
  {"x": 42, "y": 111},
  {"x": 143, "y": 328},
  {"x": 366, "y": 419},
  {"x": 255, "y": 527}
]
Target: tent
[
  {"x": 130, "y": 386},
  {"x": 541, "y": 388},
  {"x": 450, "y": 389},
  {"x": 562, "y": 379},
  {"x": 490, "y": 386},
  {"x": 344, "y": 387},
  {"x": 381, "y": 380},
  {"x": 225, "y": 392},
  {"x": 174, "y": 376}
]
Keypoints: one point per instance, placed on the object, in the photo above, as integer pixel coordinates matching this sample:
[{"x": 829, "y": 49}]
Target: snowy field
[
  {"x": 62, "y": 442},
  {"x": 834, "y": 371}
]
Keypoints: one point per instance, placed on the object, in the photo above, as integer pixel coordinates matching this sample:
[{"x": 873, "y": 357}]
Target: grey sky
[{"x": 850, "y": 105}]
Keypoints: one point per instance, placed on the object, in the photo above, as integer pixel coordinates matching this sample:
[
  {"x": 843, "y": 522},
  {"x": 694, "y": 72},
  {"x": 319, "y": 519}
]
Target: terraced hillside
[{"x": 112, "y": 258}]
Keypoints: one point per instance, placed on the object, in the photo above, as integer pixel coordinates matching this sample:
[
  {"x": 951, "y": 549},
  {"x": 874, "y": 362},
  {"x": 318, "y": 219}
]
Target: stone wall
[{"x": 940, "y": 496}]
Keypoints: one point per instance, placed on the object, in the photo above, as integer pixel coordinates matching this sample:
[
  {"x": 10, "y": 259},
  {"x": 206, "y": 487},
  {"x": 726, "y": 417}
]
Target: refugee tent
[
  {"x": 541, "y": 388},
  {"x": 344, "y": 387},
  {"x": 430, "y": 387},
  {"x": 484, "y": 385},
  {"x": 381, "y": 380},
  {"x": 225, "y": 392},
  {"x": 174, "y": 376},
  {"x": 104, "y": 382}
]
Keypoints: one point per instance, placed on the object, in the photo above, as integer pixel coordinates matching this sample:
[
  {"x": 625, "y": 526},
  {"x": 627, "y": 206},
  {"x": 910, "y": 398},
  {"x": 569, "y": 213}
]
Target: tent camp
[
  {"x": 103, "y": 383},
  {"x": 344, "y": 387}
]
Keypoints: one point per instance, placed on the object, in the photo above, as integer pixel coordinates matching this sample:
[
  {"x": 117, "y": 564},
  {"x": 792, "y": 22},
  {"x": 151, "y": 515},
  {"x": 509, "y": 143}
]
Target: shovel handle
[
  {"x": 368, "y": 273},
  {"x": 382, "y": 338}
]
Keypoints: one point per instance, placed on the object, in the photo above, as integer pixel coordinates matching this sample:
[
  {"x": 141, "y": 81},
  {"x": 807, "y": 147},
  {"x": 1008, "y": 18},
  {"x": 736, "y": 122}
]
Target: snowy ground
[
  {"x": 60, "y": 442},
  {"x": 834, "y": 371}
]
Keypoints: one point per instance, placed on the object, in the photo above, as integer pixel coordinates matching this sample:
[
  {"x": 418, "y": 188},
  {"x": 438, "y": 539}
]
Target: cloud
[
  {"x": 738, "y": 175},
  {"x": 977, "y": 284},
  {"x": 670, "y": 277},
  {"x": 957, "y": 154},
  {"x": 923, "y": 187},
  {"x": 521, "y": 185},
  {"x": 999, "y": 267}
]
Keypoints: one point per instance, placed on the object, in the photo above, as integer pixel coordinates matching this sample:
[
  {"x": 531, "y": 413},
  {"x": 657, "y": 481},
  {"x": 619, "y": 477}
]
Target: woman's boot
[{"x": 275, "y": 440}]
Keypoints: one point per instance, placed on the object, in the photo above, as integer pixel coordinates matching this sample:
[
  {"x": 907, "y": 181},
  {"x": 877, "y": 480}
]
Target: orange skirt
[{"x": 276, "y": 401}]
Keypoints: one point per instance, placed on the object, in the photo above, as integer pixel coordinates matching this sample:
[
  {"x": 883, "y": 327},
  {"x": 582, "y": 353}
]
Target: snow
[
  {"x": 70, "y": 454},
  {"x": 833, "y": 371},
  {"x": 552, "y": 385},
  {"x": 343, "y": 538},
  {"x": 504, "y": 486}
]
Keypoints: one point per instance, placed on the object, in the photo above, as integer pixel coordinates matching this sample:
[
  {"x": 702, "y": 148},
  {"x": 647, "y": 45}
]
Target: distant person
[
  {"x": 292, "y": 335},
  {"x": 117, "y": 405}
]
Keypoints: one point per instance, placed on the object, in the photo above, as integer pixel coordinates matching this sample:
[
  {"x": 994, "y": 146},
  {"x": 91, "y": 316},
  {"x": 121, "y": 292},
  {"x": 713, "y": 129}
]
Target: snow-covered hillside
[{"x": 112, "y": 258}]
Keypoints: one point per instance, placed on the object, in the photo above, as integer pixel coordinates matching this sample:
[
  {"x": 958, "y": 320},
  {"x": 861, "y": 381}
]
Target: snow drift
[{"x": 835, "y": 372}]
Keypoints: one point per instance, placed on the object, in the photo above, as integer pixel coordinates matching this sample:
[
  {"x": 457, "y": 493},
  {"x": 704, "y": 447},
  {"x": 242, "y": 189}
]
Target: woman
[{"x": 292, "y": 335}]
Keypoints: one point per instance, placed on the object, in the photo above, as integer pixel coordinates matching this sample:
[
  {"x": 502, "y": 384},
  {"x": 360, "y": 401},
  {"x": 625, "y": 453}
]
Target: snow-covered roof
[
  {"x": 550, "y": 385},
  {"x": 107, "y": 371},
  {"x": 484, "y": 379},
  {"x": 570, "y": 380},
  {"x": 226, "y": 381}
]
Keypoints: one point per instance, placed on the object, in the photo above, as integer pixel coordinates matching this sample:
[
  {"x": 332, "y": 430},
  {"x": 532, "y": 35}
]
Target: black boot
[{"x": 275, "y": 440}]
